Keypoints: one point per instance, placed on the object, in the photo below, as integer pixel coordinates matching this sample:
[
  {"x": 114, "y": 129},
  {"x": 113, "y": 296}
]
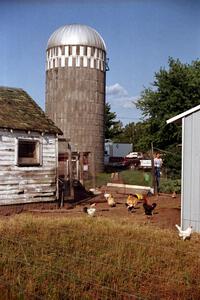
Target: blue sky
[{"x": 140, "y": 35}]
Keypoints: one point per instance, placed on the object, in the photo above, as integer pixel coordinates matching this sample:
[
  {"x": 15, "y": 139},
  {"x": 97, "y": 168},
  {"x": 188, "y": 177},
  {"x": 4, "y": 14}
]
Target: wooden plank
[
  {"x": 27, "y": 187},
  {"x": 5, "y": 148},
  {"x": 23, "y": 201},
  {"x": 7, "y": 157},
  {"x": 28, "y": 195}
]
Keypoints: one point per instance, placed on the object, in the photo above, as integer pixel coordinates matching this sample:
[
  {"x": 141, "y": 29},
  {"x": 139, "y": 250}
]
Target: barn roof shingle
[{"x": 19, "y": 111}]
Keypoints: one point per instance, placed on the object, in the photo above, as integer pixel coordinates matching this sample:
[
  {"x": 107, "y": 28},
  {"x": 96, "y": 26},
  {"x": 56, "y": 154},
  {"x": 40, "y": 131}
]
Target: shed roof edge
[{"x": 184, "y": 114}]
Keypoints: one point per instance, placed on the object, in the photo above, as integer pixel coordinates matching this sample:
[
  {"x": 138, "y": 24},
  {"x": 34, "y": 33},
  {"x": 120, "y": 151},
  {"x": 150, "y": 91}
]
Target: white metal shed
[{"x": 190, "y": 181}]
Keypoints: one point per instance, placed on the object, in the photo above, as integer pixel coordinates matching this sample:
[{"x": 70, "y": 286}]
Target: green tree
[
  {"x": 134, "y": 133},
  {"x": 112, "y": 126},
  {"x": 173, "y": 91}
]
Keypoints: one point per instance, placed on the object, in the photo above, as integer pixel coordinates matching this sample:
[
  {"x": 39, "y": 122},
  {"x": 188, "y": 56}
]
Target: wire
[
  {"x": 125, "y": 240},
  {"x": 165, "y": 151},
  {"x": 58, "y": 271},
  {"x": 76, "y": 257},
  {"x": 93, "y": 259},
  {"x": 19, "y": 289}
]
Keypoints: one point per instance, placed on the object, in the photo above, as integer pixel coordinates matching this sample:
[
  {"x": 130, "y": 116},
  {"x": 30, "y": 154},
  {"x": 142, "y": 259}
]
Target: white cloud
[
  {"x": 116, "y": 90},
  {"x": 118, "y": 95},
  {"x": 122, "y": 103}
]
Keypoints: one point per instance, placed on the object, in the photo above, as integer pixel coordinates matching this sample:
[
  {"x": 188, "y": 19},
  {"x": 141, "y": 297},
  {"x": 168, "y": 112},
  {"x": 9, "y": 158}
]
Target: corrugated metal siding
[{"x": 191, "y": 172}]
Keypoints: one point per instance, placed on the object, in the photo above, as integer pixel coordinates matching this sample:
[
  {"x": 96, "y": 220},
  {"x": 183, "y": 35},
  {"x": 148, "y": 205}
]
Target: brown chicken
[{"x": 131, "y": 202}]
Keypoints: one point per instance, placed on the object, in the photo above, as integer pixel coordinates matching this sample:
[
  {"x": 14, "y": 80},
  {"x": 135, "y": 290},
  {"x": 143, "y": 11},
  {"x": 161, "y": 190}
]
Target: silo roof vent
[{"x": 76, "y": 34}]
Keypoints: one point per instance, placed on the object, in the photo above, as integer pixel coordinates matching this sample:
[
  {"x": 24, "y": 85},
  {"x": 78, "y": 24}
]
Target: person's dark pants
[{"x": 157, "y": 176}]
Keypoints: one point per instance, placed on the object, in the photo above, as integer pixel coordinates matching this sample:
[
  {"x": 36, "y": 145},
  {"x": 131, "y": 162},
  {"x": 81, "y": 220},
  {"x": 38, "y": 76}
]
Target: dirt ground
[{"x": 167, "y": 212}]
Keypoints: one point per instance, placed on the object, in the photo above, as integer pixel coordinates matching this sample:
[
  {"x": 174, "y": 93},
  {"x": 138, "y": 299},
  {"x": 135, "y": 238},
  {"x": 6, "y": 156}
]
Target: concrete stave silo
[{"x": 75, "y": 87}]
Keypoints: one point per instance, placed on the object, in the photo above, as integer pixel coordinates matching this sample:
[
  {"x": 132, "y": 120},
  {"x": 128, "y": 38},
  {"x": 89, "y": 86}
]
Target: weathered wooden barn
[
  {"x": 28, "y": 150},
  {"x": 190, "y": 195}
]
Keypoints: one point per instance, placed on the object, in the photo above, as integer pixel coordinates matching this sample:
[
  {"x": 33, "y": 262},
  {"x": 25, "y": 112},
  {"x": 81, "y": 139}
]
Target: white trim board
[{"x": 184, "y": 114}]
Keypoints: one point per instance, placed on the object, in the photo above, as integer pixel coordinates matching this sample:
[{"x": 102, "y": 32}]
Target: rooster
[
  {"x": 90, "y": 210},
  {"x": 111, "y": 201},
  {"x": 185, "y": 234},
  {"x": 148, "y": 208}
]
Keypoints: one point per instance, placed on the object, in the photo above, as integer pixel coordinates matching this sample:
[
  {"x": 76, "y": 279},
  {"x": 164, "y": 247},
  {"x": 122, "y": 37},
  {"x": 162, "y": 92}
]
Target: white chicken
[
  {"x": 90, "y": 210},
  {"x": 106, "y": 195},
  {"x": 185, "y": 234}
]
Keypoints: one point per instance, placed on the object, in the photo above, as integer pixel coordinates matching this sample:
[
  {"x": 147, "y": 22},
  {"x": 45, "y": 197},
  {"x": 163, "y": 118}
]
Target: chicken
[
  {"x": 90, "y": 210},
  {"x": 106, "y": 195},
  {"x": 148, "y": 208},
  {"x": 131, "y": 202},
  {"x": 174, "y": 195},
  {"x": 139, "y": 196},
  {"x": 185, "y": 234},
  {"x": 111, "y": 201}
]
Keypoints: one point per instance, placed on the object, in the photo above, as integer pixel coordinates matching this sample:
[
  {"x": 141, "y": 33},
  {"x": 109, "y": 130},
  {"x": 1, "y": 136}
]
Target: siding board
[
  {"x": 191, "y": 172},
  {"x": 27, "y": 184}
]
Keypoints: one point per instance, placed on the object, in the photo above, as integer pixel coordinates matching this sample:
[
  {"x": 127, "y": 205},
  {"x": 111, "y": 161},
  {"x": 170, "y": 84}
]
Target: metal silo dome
[{"x": 76, "y": 34}]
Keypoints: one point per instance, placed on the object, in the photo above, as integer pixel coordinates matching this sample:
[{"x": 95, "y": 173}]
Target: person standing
[{"x": 157, "y": 165}]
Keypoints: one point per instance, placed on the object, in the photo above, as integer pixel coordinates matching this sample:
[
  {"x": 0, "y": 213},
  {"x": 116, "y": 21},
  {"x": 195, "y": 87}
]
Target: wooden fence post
[{"x": 153, "y": 168}]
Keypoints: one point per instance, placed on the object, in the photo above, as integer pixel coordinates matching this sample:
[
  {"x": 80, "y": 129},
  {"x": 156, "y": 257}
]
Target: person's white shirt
[{"x": 157, "y": 162}]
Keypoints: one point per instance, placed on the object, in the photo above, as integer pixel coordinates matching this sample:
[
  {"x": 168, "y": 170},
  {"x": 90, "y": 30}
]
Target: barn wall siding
[
  {"x": 27, "y": 184},
  {"x": 191, "y": 172}
]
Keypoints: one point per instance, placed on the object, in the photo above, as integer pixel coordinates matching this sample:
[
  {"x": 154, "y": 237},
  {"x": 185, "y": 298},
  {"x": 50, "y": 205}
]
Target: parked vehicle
[
  {"x": 117, "y": 149},
  {"x": 134, "y": 155},
  {"x": 145, "y": 164}
]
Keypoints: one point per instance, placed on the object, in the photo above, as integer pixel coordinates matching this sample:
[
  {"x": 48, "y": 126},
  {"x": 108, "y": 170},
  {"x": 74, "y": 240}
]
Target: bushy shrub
[
  {"x": 172, "y": 162},
  {"x": 170, "y": 185}
]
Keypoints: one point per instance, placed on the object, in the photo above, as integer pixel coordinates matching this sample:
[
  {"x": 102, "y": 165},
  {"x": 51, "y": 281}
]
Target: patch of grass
[
  {"x": 101, "y": 179},
  {"x": 95, "y": 258},
  {"x": 136, "y": 177},
  {"x": 128, "y": 176}
]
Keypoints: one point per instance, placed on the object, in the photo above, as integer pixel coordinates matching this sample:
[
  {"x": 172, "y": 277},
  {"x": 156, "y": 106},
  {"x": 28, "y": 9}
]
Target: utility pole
[
  {"x": 93, "y": 171},
  {"x": 153, "y": 169},
  {"x": 81, "y": 167},
  {"x": 70, "y": 175}
]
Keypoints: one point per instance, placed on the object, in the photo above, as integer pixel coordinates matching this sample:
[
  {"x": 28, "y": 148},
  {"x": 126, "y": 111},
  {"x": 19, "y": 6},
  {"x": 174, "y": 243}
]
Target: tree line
[{"x": 174, "y": 90}]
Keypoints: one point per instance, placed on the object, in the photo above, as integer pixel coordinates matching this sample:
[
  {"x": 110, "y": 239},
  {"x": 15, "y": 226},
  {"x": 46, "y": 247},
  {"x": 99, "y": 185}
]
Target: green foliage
[
  {"x": 174, "y": 91},
  {"x": 101, "y": 179},
  {"x": 172, "y": 162},
  {"x": 170, "y": 185},
  {"x": 112, "y": 127},
  {"x": 135, "y": 133}
]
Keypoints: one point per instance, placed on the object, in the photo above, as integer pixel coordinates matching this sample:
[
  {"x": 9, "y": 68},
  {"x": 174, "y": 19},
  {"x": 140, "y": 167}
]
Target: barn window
[{"x": 28, "y": 153}]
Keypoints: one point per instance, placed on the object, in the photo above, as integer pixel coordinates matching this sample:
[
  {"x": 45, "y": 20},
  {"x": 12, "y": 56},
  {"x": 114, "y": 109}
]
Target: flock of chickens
[{"x": 131, "y": 205}]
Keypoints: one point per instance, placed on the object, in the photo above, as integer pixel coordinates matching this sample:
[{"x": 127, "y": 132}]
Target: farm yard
[
  {"x": 99, "y": 193},
  {"x": 51, "y": 253}
]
